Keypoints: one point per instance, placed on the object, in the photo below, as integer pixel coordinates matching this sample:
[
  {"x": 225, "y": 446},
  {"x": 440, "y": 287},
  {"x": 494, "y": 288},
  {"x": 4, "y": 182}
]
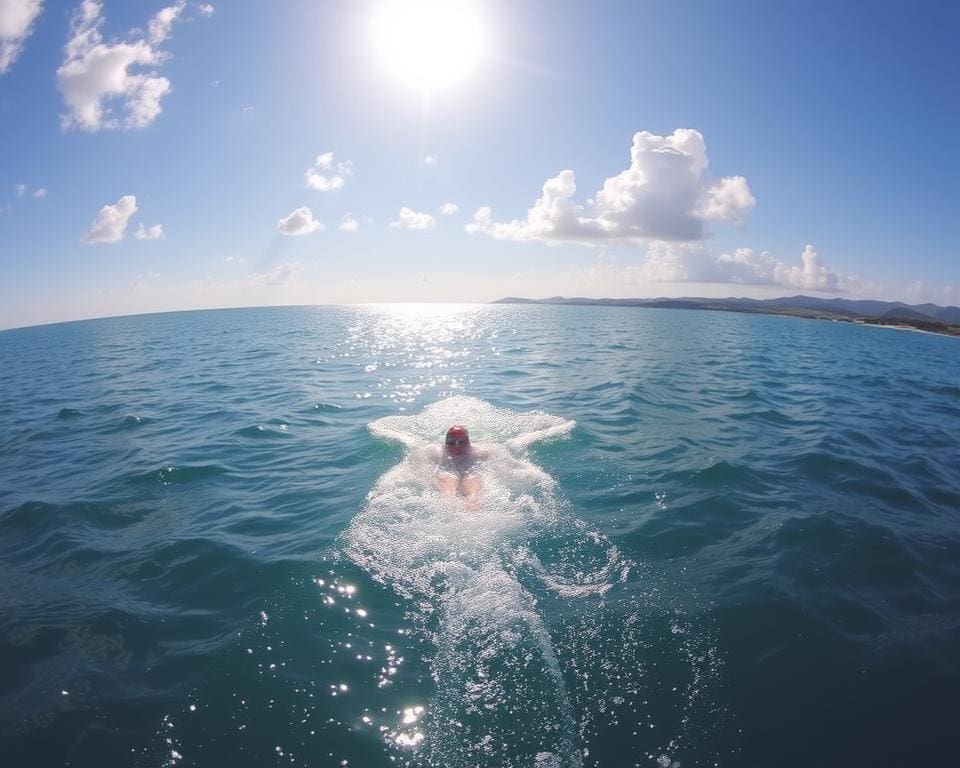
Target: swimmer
[{"x": 458, "y": 461}]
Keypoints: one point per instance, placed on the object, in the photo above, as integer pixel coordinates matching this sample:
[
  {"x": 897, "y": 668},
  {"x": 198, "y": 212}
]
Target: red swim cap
[{"x": 457, "y": 431}]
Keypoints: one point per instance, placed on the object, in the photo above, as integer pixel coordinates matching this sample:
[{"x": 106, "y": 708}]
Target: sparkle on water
[{"x": 223, "y": 544}]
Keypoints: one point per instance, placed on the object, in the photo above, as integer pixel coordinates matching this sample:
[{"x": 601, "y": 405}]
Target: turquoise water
[{"x": 705, "y": 539}]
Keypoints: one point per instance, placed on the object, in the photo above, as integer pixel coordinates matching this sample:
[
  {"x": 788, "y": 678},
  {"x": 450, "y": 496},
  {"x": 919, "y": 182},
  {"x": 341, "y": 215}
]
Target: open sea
[{"x": 704, "y": 539}]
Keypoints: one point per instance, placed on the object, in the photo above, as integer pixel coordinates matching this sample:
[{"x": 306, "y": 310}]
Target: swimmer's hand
[
  {"x": 523, "y": 442},
  {"x": 449, "y": 484},
  {"x": 470, "y": 487},
  {"x": 405, "y": 439}
]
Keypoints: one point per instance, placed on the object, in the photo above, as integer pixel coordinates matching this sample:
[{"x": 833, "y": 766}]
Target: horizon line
[{"x": 500, "y": 301}]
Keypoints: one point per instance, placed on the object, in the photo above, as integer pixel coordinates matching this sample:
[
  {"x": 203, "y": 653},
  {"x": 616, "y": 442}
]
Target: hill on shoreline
[{"x": 923, "y": 317}]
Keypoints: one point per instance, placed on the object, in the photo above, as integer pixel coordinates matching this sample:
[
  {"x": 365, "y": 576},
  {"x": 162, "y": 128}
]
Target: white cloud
[
  {"x": 96, "y": 76},
  {"x": 691, "y": 262},
  {"x": 149, "y": 233},
  {"x": 920, "y": 292},
  {"x": 727, "y": 200},
  {"x": 430, "y": 160},
  {"x": 299, "y": 222},
  {"x": 142, "y": 282},
  {"x": 664, "y": 195},
  {"x": 206, "y": 9},
  {"x": 282, "y": 274},
  {"x": 408, "y": 219},
  {"x": 325, "y": 175},
  {"x": 812, "y": 274},
  {"x": 16, "y": 24},
  {"x": 111, "y": 222},
  {"x": 159, "y": 26},
  {"x": 22, "y": 189},
  {"x": 348, "y": 224},
  {"x": 449, "y": 209},
  {"x": 694, "y": 262},
  {"x": 673, "y": 263}
]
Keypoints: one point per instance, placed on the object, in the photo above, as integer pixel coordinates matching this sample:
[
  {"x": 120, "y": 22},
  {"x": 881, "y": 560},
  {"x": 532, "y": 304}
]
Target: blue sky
[{"x": 600, "y": 149}]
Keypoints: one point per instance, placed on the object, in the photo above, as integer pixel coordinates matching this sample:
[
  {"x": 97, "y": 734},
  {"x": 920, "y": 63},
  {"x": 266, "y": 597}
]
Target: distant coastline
[{"x": 930, "y": 318}]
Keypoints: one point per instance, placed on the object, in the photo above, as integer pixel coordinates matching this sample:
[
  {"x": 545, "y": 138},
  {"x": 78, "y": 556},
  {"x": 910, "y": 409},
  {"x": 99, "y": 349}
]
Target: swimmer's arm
[
  {"x": 396, "y": 436},
  {"x": 521, "y": 468},
  {"x": 525, "y": 441}
]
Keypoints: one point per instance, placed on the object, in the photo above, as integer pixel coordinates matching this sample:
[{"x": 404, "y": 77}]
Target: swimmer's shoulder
[
  {"x": 484, "y": 452},
  {"x": 425, "y": 453}
]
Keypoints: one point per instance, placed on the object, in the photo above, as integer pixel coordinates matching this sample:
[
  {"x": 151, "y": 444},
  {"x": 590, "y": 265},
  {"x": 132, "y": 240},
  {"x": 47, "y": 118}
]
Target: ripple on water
[
  {"x": 754, "y": 525},
  {"x": 178, "y": 475},
  {"x": 275, "y": 431}
]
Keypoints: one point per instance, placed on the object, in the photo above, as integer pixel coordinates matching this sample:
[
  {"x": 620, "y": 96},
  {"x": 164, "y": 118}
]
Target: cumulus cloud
[
  {"x": 666, "y": 262},
  {"x": 206, "y": 9},
  {"x": 449, "y": 209},
  {"x": 727, "y": 200},
  {"x": 149, "y": 233},
  {"x": 282, "y": 274},
  {"x": 22, "y": 189},
  {"x": 408, "y": 219},
  {"x": 348, "y": 224},
  {"x": 158, "y": 28},
  {"x": 325, "y": 175},
  {"x": 111, "y": 222},
  {"x": 812, "y": 273},
  {"x": 16, "y": 24},
  {"x": 430, "y": 160},
  {"x": 299, "y": 222},
  {"x": 921, "y": 292},
  {"x": 665, "y": 194},
  {"x": 99, "y": 86}
]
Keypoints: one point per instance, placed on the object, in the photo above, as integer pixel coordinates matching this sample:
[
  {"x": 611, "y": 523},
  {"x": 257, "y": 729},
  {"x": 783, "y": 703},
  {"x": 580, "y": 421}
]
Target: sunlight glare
[{"x": 430, "y": 45}]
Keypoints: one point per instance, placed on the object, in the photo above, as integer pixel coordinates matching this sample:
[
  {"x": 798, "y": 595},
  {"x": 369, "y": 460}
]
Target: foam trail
[
  {"x": 492, "y": 640},
  {"x": 500, "y": 698}
]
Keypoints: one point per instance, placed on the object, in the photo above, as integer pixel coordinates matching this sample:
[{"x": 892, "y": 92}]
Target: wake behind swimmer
[
  {"x": 474, "y": 564},
  {"x": 442, "y": 528}
]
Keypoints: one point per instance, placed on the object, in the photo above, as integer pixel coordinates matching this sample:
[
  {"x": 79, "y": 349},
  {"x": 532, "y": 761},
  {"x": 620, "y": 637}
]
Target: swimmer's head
[{"x": 457, "y": 441}]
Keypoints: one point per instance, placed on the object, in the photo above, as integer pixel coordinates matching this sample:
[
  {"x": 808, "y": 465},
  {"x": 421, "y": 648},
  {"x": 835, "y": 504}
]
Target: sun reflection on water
[{"x": 437, "y": 346}]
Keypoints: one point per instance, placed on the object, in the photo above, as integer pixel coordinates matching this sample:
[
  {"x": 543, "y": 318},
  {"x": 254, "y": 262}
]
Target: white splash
[{"x": 457, "y": 564}]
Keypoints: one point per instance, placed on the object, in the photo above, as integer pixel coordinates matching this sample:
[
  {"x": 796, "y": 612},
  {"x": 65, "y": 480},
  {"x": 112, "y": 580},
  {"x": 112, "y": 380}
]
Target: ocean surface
[{"x": 703, "y": 539}]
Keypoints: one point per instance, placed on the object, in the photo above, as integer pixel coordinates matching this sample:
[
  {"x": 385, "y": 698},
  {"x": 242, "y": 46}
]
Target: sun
[{"x": 429, "y": 45}]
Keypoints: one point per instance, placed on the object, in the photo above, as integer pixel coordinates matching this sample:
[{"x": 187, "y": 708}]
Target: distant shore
[
  {"x": 940, "y": 329},
  {"x": 858, "y": 312}
]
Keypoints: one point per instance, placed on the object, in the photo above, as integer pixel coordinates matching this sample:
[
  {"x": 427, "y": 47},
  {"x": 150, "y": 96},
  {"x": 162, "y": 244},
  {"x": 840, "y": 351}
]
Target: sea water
[{"x": 702, "y": 539}]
